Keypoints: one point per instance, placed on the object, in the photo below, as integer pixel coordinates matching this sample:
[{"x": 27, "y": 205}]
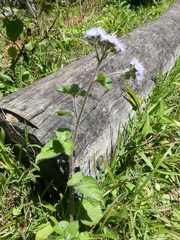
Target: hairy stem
[{"x": 75, "y": 137}]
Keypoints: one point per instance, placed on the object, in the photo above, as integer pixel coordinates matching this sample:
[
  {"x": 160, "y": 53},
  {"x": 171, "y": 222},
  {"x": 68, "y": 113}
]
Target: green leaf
[
  {"x": 176, "y": 83},
  {"x": 154, "y": 108},
  {"x": 76, "y": 179},
  {"x": 82, "y": 93},
  {"x": 1, "y": 95},
  {"x": 5, "y": 77},
  {"x": 48, "y": 206},
  {"x": 104, "y": 81},
  {"x": 90, "y": 188},
  {"x": 52, "y": 149},
  {"x": 2, "y": 85},
  {"x": 72, "y": 229},
  {"x": 68, "y": 146},
  {"x": 147, "y": 127},
  {"x": 67, "y": 229},
  {"x": 14, "y": 29},
  {"x": 2, "y": 135},
  {"x": 12, "y": 52},
  {"x": 90, "y": 211},
  {"x": 133, "y": 98},
  {"x": 147, "y": 161},
  {"x": 17, "y": 211},
  {"x": 168, "y": 172},
  {"x": 29, "y": 46},
  {"x": 60, "y": 227},
  {"x": 161, "y": 109},
  {"x": 63, "y": 112},
  {"x": 45, "y": 230},
  {"x": 73, "y": 90},
  {"x": 63, "y": 133},
  {"x": 47, "y": 8},
  {"x": 83, "y": 236}
]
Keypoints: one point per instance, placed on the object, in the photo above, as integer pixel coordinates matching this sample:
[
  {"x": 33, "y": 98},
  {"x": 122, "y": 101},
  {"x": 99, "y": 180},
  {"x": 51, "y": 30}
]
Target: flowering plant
[{"x": 104, "y": 44}]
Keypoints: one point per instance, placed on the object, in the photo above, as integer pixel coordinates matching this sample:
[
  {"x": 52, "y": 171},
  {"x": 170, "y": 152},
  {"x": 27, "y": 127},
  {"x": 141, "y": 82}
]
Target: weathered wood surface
[{"x": 156, "y": 45}]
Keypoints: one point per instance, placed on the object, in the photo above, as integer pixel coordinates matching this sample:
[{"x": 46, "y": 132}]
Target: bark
[{"x": 156, "y": 45}]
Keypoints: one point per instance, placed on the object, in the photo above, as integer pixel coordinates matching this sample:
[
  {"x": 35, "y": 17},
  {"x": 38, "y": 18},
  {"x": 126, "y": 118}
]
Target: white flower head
[
  {"x": 139, "y": 70},
  {"x": 94, "y": 32},
  {"x": 112, "y": 43}
]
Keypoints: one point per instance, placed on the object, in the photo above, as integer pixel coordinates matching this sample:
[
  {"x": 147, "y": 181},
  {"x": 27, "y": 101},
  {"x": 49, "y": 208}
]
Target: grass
[
  {"x": 141, "y": 181},
  {"x": 57, "y": 44}
]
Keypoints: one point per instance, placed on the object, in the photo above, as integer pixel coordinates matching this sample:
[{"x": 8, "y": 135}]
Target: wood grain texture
[{"x": 156, "y": 45}]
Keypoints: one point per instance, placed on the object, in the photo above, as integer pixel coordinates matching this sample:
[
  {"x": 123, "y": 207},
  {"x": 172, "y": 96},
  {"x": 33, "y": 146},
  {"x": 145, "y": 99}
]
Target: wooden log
[{"x": 156, "y": 45}]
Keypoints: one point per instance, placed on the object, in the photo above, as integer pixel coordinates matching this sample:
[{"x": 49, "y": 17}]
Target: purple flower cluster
[
  {"x": 139, "y": 70},
  {"x": 110, "y": 41}
]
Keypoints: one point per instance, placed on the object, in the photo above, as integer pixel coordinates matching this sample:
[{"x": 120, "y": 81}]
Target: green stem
[{"x": 75, "y": 137}]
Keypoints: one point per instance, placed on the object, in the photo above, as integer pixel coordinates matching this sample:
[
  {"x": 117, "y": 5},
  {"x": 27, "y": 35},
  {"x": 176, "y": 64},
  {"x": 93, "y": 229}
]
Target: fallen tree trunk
[{"x": 156, "y": 45}]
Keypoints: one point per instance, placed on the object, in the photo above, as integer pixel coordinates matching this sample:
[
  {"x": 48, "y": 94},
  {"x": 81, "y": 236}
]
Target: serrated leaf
[
  {"x": 63, "y": 133},
  {"x": 52, "y": 149},
  {"x": 73, "y": 90},
  {"x": 68, "y": 146},
  {"x": 90, "y": 188},
  {"x": 90, "y": 211},
  {"x": 76, "y": 179},
  {"x": 104, "y": 81},
  {"x": 63, "y": 112},
  {"x": 14, "y": 29}
]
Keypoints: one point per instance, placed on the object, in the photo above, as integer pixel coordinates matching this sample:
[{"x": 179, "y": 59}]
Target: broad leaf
[
  {"x": 12, "y": 52},
  {"x": 60, "y": 227},
  {"x": 90, "y": 188},
  {"x": 45, "y": 230},
  {"x": 104, "y": 81},
  {"x": 67, "y": 145},
  {"x": 76, "y": 179},
  {"x": 63, "y": 133},
  {"x": 52, "y": 149},
  {"x": 72, "y": 229},
  {"x": 90, "y": 211},
  {"x": 73, "y": 90},
  {"x": 82, "y": 93},
  {"x": 83, "y": 236},
  {"x": 67, "y": 229},
  {"x": 13, "y": 29}
]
